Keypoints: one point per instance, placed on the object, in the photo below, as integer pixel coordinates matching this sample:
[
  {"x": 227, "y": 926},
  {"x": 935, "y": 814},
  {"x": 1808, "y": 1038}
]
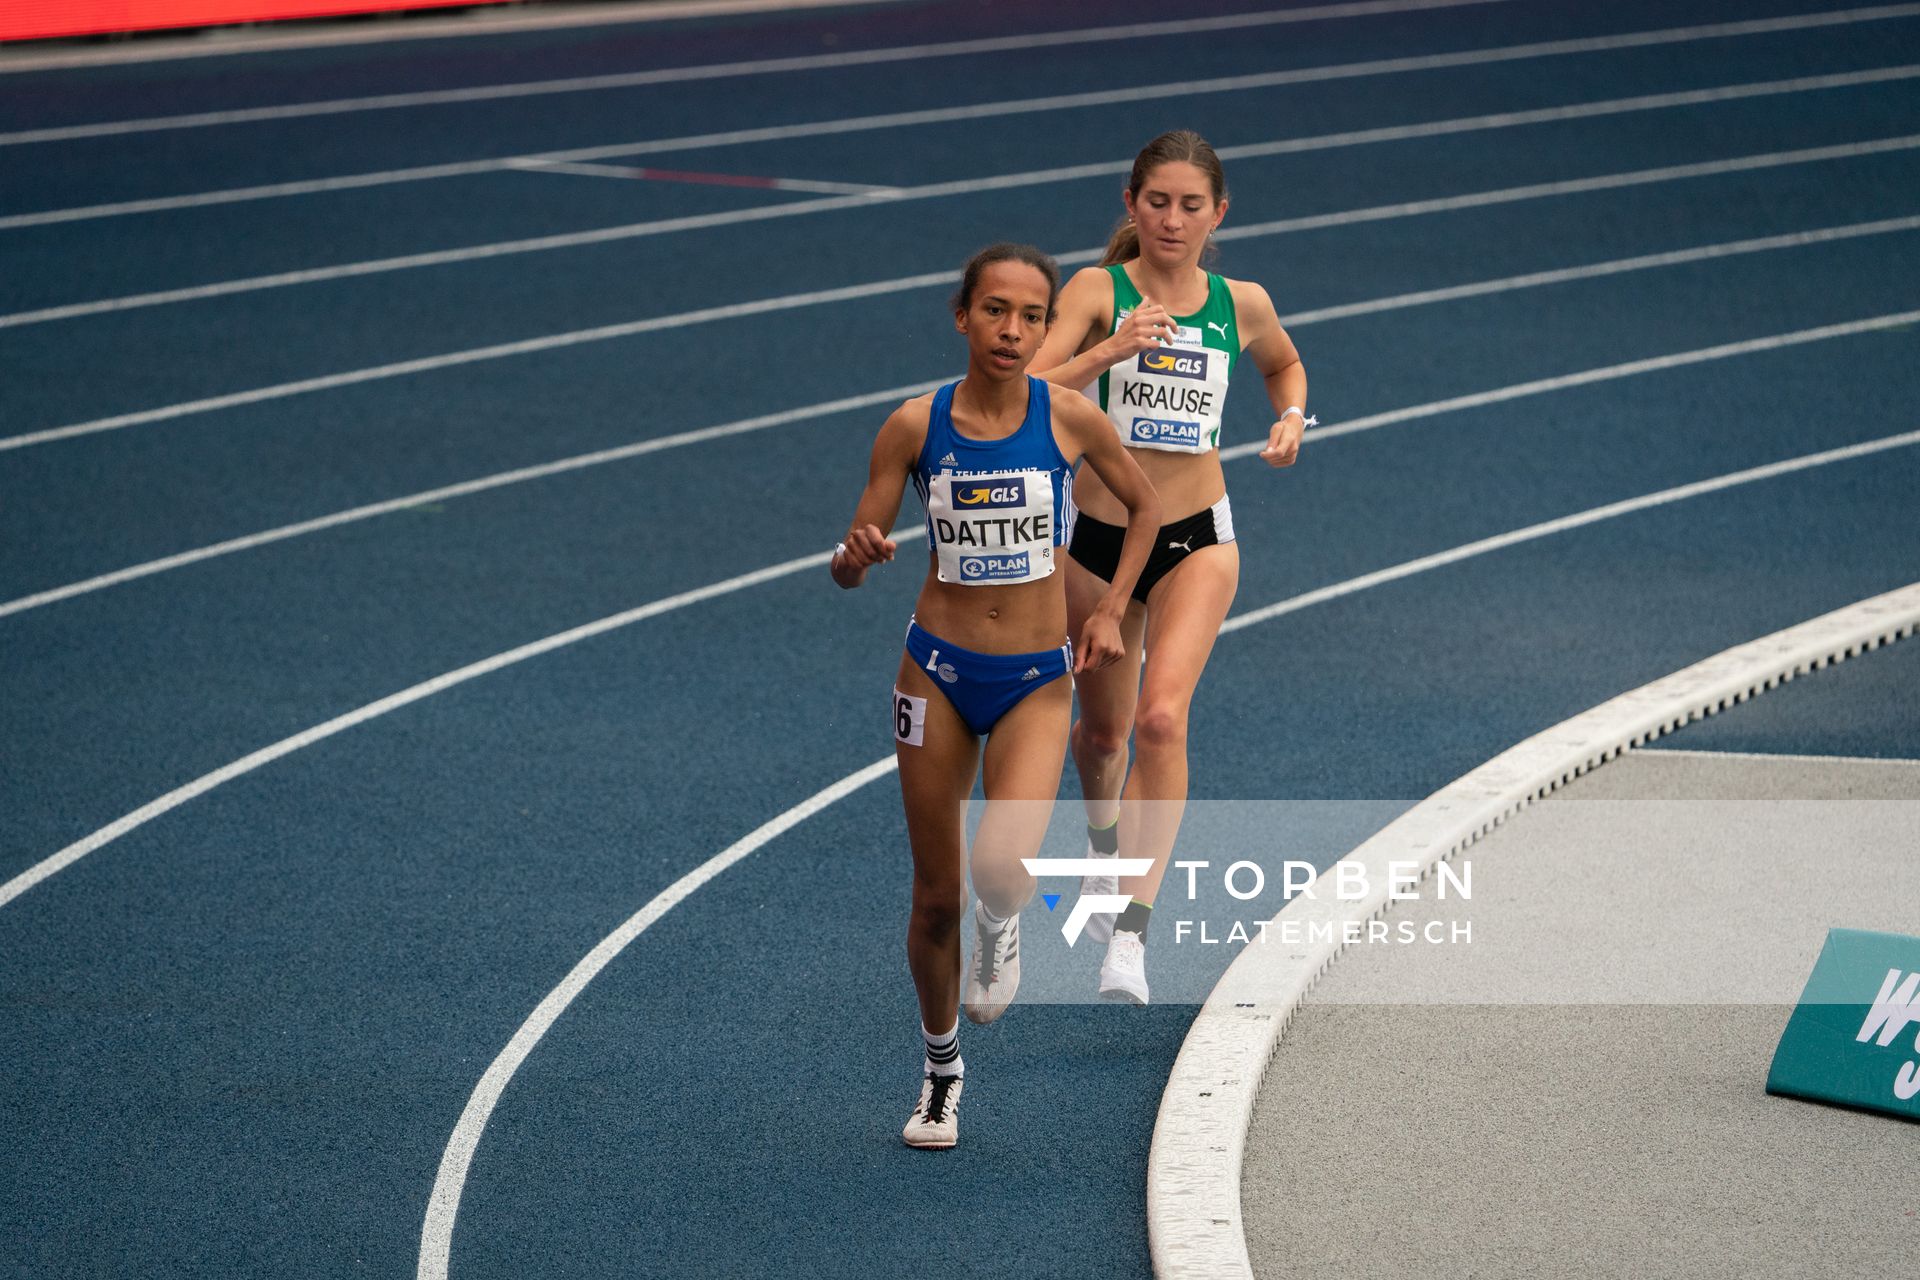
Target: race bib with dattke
[{"x": 991, "y": 528}]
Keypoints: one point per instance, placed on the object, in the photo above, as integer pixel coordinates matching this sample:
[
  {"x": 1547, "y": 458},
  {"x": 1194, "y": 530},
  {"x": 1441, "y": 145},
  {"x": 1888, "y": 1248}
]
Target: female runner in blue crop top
[{"x": 992, "y": 457}]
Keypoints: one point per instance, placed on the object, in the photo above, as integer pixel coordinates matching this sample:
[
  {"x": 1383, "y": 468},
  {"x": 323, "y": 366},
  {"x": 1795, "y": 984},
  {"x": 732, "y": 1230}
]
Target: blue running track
[{"x": 240, "y": 1034}]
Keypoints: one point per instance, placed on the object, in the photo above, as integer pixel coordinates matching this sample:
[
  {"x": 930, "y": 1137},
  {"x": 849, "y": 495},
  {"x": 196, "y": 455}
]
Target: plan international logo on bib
[
  {"x": 1007, "y": 492},
  {"x": 1176, "y": 364},
  {"x": 993, "y": 568},
  {"x": 1165, "y": 431}
]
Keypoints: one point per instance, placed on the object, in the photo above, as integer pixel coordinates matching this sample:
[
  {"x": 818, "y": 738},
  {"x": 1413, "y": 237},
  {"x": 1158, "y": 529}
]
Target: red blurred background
[{"x": 35, "y": 19}]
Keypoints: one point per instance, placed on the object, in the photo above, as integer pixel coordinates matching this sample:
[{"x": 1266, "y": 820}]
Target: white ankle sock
[{"x": 943, "y": 1052}]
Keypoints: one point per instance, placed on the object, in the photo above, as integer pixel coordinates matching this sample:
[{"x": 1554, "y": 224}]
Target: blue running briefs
[{"x": 984, "y": 686}]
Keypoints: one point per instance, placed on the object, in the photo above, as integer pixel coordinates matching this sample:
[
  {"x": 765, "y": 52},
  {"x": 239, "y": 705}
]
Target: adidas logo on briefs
[
  {"x": 949, "y": 461},
  {"x": 1033, "y": 673}
]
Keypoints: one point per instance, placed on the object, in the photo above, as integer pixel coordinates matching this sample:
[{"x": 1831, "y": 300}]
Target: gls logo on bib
[
  {"x": 1007, "y": 493},
  {"x": 1176, "y": 364}
]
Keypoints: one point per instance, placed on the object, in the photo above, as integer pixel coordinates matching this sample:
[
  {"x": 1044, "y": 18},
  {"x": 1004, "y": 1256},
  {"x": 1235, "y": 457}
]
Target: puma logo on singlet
[
  {"x": 1215, "y": 324},
  {"x": 1182, "y": 546}
]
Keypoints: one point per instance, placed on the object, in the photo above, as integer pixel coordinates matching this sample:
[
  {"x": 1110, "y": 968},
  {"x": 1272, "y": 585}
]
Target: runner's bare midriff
[
  {"x": 1014, "y": 617},
  {"x": 1186, "y": 484}
]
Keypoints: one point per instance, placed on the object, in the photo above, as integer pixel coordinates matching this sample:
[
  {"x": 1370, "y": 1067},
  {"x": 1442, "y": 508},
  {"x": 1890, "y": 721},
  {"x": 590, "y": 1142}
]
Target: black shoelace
[
  {"x": 987, "y": 954},
  {"x": 937, "y": 1099}
]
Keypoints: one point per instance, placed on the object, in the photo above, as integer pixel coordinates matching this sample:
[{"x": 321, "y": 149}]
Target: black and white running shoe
[
  {"x": 1123, "y": 976},
  {"x": 995, "y": 974},
  {"x": 935, "y": 1123}
]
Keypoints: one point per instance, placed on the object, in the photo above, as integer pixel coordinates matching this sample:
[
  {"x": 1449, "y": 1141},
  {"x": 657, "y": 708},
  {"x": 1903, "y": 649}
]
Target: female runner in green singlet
[{"x": 1160, "y": 335}]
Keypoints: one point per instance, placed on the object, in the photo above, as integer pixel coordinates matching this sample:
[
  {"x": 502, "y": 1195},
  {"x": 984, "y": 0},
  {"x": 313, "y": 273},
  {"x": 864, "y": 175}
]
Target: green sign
[{"x": 1854, "y": 1038}]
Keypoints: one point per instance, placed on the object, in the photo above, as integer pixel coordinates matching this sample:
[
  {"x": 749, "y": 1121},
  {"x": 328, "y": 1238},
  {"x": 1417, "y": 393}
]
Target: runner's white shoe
[
  {"x": 935, "y": 1123},
  {"x": 1123, "y": 978},
  {"x": 995, "y": 975},
  {"x": 1099, "y": 926}
]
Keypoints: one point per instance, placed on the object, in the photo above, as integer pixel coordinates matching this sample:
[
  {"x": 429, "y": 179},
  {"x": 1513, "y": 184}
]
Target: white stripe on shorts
[{"x": 1223, "y": 520}]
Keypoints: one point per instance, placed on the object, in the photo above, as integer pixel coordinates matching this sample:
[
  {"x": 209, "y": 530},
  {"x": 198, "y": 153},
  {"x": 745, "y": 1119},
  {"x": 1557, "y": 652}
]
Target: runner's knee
[
  {"x": 1160, "y": 727},
  {"x": 1096, "y": 738},
  {"x": 936, "y": 908}
]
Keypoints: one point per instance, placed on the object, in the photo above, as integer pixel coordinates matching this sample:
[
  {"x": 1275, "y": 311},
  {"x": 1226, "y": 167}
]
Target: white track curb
[{"x": 1193, "y": 1173}]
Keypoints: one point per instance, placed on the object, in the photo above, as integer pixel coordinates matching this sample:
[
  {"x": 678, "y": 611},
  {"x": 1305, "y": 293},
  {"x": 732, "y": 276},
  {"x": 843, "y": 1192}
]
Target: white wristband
[{"x": 1292, "y": 408}]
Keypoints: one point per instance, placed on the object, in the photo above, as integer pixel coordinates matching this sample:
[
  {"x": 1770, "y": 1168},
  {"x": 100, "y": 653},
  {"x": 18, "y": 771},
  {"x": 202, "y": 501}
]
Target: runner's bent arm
[
  {"x": 1275, "y": 356},
  {"x": 1078, "y": 348},
  {"x": 895, "y": 450},
  {"x": 1087, "y": 427}
]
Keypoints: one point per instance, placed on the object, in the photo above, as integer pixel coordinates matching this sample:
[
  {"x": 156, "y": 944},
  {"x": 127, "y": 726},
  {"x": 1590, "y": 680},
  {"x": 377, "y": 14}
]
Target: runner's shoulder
[
  {"x": 1248, "y": 294},
  {"x": 1089, "y": 287},
  {"x": 905, "y": 429},
  {"x": 1253, "y": 308}
]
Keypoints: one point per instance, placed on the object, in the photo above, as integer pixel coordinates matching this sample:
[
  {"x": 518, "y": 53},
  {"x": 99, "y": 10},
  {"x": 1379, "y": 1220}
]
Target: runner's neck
[{"x": 1174, "y": 291}]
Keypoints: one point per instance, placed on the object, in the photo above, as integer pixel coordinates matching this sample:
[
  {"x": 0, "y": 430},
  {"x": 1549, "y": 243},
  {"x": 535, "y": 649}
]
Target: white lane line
[
  {"x": 1547, "y": 528},
  {"x": 219, "y": 41},
  {"x": 1573, "y": 111},
  {"x": 1607, "y": 373},
  {"x": 497, "y": 480},
  {"x": 1574, "y": 186},
  {"x": 528, "y": 346},
  {"x": 436, "y": 1236},
  {"x": 180, "y": 795},
  {"x": 751, "y": 67},
  {"x": 393, "y": 702},
  {"x": 471, "y": 253},
  {"x": 785, "y": 302},
  {"x": 1774, "y": 757},
  {"x": 1294, "y": 321},
  {"x": 815, "y": 184},
  {"x": 902, "y": 119},
  {"x": 632, "y": 173},
  {"x": 585, "y": 170},
  {"x": 938, "y": 190},
  {"x": 1643, "y": 262}
]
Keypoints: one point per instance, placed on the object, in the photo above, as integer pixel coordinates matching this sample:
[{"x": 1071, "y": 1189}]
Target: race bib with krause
[{"x": 1170, "y": 397}]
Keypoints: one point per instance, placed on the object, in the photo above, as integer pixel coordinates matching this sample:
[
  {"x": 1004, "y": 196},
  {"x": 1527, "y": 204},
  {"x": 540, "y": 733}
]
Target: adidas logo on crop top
[
  {"x": 996, "y": 509},
  {"x": 1170, "y": 397}
]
